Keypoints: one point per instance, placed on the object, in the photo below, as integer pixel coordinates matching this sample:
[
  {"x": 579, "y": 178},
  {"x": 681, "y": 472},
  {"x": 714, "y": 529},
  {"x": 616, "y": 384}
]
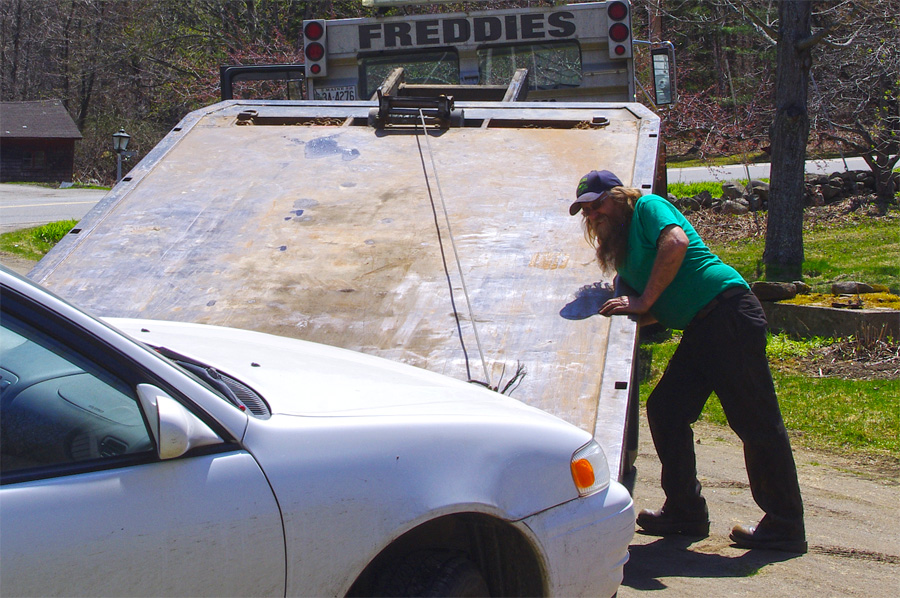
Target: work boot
[
  {"x": 765, "y": 538},
  {"x": 668, "y": 522}
]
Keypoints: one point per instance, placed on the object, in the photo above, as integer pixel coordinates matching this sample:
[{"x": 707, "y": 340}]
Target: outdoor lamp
[
  {"x": 120, "y": 144},
  {"x": 120, "y": 141}
]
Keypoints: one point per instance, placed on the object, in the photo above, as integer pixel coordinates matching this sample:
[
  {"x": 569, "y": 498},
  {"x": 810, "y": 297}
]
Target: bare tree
[
  {"x": 857, "y": 93},
  {"x": 801, "y": 26}
]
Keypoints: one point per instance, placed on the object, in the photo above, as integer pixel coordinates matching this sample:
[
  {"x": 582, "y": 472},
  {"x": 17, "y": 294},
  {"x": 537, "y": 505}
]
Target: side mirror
[
  {"x": 175, "y": 429},
  {"x": 663, "y": 63}
]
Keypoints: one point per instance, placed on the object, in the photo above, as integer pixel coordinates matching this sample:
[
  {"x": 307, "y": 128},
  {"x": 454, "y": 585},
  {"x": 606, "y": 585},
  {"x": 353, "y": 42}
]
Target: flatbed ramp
[{"x": 299, "y": 219}]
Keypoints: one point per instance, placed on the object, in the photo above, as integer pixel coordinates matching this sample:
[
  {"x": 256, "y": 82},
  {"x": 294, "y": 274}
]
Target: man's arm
[{"x": 671, "y": 247}]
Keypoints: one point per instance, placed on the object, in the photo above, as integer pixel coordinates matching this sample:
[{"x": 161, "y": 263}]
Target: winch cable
[
  {"x": 462, "y": 342},
  {"x": 462, "y": 279}
]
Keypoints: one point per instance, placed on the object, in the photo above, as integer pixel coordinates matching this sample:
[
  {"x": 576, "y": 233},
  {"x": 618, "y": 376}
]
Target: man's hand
[
  {"x": 624, "y": 305},
  {"x": 671, "y": 247}
]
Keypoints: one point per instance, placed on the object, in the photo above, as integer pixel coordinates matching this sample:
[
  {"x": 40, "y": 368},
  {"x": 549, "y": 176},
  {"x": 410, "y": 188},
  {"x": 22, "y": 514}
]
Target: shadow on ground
[{"x": 672, "y": 557}]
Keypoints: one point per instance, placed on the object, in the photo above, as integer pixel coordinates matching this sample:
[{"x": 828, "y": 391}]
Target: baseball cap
[{"x": 592, "y": 186}]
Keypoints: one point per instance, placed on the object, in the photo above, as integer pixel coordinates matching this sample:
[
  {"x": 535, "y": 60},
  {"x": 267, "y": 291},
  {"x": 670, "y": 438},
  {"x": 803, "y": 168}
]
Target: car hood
[{"x": 298, "y": 377}]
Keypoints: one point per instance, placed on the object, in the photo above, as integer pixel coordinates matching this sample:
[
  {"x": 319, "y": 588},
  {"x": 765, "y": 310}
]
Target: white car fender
[{"x": 373, "y": 480}]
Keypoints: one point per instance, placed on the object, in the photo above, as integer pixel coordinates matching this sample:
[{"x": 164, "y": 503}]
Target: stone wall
[
  {"x": 813, "y": 320},
  {"x": 819, "y": 190},
  {"x": 842, "y": 319}
]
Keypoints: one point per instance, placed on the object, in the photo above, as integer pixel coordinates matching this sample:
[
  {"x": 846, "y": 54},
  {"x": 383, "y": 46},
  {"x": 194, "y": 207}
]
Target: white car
[{"x": 208, "y": 461}]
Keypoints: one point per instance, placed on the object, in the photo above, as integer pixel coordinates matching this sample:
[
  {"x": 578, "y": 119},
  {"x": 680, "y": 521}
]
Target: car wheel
[{"x": 433, "y": 574}]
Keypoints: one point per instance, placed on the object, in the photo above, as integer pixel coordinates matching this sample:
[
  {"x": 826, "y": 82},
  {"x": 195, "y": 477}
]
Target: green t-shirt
[{"x": 700, "y": 278}]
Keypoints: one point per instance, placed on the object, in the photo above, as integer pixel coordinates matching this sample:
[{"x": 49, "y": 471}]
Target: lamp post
[{"x": 120, "y": 144}]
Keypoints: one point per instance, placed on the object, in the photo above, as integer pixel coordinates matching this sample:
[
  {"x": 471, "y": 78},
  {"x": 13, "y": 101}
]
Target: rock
[
  {"x": 732, "y": 191},
  {"x": 759, "y": 189},
  {"x": 705, "y": 199},
  {"x": 848, "y": 176},
  {"x": 812, "y": 196},
  {"x": 739, "y": 206},
  {"x": 802, "y": 287},
  {"x": 851, "y": 287},
  {"x": 830, "y": 192},
  {"x": 837, "y": 183},
  {"x": 690, "y": 204},
  {"x": 773, "y": 291}
]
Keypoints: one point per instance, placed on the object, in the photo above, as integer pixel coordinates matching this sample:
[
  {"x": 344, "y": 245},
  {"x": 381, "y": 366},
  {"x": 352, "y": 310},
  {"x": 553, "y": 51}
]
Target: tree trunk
[
  {"x": 783, "y": 256},
  {"x": 882, "y": 166}
]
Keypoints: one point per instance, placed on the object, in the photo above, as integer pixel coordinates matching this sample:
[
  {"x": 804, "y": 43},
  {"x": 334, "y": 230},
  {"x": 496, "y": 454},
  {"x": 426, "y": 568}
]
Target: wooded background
[{"x": 143, "y": 65}]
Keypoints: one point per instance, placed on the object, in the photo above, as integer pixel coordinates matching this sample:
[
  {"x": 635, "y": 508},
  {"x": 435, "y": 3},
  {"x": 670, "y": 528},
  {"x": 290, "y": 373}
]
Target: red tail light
[
  {"x": 315, "y": 48},
  {"x": 618, "y": 17}
]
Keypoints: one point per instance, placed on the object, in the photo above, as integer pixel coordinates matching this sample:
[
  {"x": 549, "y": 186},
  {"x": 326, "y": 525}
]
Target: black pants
[{"x": 725, "y": 352}]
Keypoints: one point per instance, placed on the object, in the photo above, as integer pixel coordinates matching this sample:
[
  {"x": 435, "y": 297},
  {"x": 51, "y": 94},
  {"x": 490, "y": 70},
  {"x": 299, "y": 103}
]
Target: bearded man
[{"x": 684, "y": 286}]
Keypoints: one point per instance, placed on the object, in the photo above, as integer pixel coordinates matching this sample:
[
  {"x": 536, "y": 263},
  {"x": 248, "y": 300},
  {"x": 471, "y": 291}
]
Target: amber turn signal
[{"x": 583, "y": 473}]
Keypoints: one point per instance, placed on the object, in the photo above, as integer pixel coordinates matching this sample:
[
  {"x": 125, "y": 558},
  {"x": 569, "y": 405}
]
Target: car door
[{"x": 86, "y": 505}]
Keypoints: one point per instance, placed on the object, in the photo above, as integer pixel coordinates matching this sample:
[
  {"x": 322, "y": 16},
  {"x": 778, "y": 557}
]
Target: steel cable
[{"x": 455, "y": 252}]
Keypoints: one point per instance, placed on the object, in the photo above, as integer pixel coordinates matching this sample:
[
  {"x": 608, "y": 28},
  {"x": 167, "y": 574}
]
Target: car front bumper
[{"x": 585, "y": 542}]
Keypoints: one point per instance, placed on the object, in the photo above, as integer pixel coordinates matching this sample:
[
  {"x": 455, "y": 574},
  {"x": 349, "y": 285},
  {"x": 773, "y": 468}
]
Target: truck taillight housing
[
  {"x": 618, "y": 15},
  {"x": 314, "y": 52}
]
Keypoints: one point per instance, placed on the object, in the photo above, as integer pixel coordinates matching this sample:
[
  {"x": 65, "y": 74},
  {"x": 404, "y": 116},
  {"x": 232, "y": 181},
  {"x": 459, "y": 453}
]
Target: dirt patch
[
  {"x": 851, "y": 359},
  {"x": 16, "y": 263}
]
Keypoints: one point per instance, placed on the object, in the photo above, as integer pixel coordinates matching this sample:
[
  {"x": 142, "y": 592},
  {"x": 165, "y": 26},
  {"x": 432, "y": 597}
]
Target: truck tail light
[
  {"x": 618, "y": 15},
  {"x": 314, "y": 52}
]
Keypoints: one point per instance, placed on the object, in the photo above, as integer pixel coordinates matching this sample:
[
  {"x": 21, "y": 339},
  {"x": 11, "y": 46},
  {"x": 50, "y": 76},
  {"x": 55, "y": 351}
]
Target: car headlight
[{"x": 590, "y": 469}]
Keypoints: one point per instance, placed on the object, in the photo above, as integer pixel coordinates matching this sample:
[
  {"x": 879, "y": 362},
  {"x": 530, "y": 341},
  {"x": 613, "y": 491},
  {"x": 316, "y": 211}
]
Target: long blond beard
[{"x": 609, "y": 237}]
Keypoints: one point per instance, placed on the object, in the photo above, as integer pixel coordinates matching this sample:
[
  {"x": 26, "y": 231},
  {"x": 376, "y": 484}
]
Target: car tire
[{"x": 431, "y": 573}]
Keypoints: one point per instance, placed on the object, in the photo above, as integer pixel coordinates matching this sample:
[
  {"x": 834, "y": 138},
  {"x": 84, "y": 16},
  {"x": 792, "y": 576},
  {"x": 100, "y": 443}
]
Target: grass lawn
[
  {"x": 34, "y": 243},
  {"x": 867, "y": 251}
]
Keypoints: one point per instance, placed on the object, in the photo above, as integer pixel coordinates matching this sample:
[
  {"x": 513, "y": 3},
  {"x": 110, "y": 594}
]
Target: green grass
[
  {"x": 690, "y": 162},
  {"x": 851, "y": 416},
  {"x": 674, "y": 161},
  {"x": 84, "y": 186},
  {"x": 34, "y": 243},
  {"x": 867, "y": 251},
  {"x": 57, "y": 185},
  {"x": 692, "y": 189}
]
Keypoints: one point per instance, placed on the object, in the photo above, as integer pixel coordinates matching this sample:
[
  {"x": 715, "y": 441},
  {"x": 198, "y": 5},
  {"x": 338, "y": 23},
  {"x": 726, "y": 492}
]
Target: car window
[{"x": 59, "y": 407}]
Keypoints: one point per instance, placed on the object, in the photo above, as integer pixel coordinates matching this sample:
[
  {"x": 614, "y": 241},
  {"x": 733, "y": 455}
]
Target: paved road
[
  {"x": 757, "y": 171},
  {"x": 22, "y": 206}
]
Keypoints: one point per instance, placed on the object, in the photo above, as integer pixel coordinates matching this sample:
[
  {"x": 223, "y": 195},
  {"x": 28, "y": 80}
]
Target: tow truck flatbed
[{"x": 297, "y": 218}]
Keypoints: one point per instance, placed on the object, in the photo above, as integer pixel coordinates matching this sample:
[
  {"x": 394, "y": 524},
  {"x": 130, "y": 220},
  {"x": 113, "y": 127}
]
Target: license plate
[{"x": 347, "y": 92}]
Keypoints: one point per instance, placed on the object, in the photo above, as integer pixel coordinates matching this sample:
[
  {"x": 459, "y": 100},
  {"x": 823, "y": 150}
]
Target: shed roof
[{"x": 45, "y": 119}]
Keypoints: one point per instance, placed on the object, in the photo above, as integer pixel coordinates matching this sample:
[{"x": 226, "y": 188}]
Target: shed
[{"x": 37, "y": 142}]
